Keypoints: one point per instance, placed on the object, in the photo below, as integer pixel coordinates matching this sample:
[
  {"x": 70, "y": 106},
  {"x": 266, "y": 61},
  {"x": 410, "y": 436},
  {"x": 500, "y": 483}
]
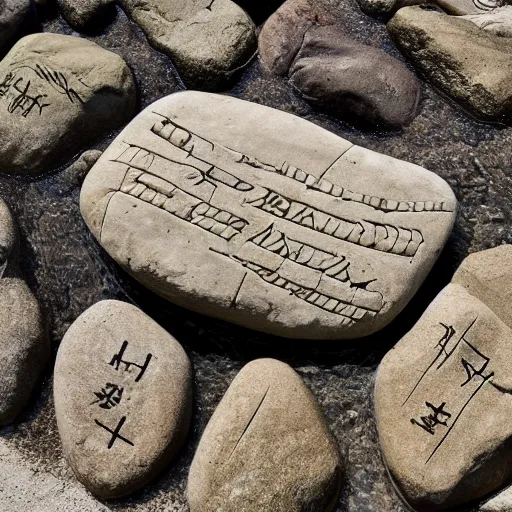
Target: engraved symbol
[
  {"x": 115, "y": 433},
  {"x": 438, "y": 416},
  {"x": 117, "y": 360},
  {"x": 109, "y": 396}
]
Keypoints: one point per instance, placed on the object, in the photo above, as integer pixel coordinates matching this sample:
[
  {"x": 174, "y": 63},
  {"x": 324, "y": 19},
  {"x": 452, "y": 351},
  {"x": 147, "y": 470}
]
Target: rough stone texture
[
  {"x": 385, "y": 8},
  {"x": 7, "y": 235},
  {"x": 455, "y": 55},
  {"x": 69, "y": 272},
  {"x": 330, "y": 244},
  {"x": 462, "y": 7},
  {"x": 23, "y": 347},
  {"x": 266, "y": 448},
  {"x": 500, "y": 503},
  {"x": 207, "y": 40},
  {"x": 497, "y": 21},
  {"x": 13, "y": 15},
  {"x": 54, "y": 103},
  {"x": 117, "y": 369},
  {"x": 442, "y": 395},
  {"x": 82, "y": 14},
  {"x": 335, "y": 72}
]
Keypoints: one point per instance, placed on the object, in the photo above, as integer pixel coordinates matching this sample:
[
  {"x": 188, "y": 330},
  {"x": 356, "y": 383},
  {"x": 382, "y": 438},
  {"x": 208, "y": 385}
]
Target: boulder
[
  {"x": 14, "y": 16},
  {"x": 498, "y": 21},
  {"x": 59, "y": 94},
  {"x": 258, "y": 217},
  {"x": 123, "y": 393},
  {"x": 266, "y": 448},
  {"x": 82, "y": 14},
  {"x": 8, "y": 235}
]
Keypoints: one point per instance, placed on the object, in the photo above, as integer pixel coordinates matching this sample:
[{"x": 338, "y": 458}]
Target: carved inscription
[{"x": 112, "y": 394}]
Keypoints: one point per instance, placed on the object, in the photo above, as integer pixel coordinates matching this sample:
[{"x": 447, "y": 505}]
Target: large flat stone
[
  {"x": 443, "y": 393},
  {"x": 261, "y": 218},
  {"x": 123, "y": 393},
  {"x": 266, "y": 448}
]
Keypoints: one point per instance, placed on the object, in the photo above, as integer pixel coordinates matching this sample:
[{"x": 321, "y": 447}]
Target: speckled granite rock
[
  {"x": 497, "y": 21},
  {"x": 208, "y": 40},
  {"x": 7, "y": 235},
  {"x": 24, "y": 347},
  {"x": 58, "y": 94},
  {"x": 500, "y": 503},
  {"x": 266, "y": 448},
  {"x": 456, "y": 56},
  {"x": 123, "y": 398},
  {"x": 13, "y": 15},
  {"x": 443, "y": 394},
  {"x": 83, "y": 13},
  {"x": 271, "y": 223},
  {"x": 332, "y": 71}
]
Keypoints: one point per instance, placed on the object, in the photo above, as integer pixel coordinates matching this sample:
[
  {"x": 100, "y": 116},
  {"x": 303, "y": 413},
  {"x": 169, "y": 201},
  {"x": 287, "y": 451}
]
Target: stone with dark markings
[
  {"x": 463, "y": 7},
  {"x": 266, "y": 448},
  {"x": 347, "y": 79},
  {"x": 24, "y": 347},
  {"x": 443, "y": 395},
  {"x": 498, "y": 21},
  {"x": 117, "y": 369},
  {"x": 59, "y": 94},
  {"x": 272, "y": 223},
  {"x": 471, "y": 65}
]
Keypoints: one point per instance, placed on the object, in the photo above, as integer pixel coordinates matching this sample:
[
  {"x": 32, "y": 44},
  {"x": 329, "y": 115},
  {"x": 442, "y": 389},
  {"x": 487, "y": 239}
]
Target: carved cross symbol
[{"x": 115, "y": 433}]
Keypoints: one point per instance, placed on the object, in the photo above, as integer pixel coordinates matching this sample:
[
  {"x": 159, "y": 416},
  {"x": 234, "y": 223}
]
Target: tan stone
[
  {"x": 58, "y": 94},
  {"x": 462, "y": 7},
  {"x": 266, "y": 448},
  {"x": 118, "y": 372},
  {"x": 443, "y": 395},
  {"x": 498, "y": 21},
  {"x": 261, "y": 218}
]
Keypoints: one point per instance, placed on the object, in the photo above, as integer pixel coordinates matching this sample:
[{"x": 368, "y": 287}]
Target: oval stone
[
  {"x": 24, "y": 347},
  {"x": 123, "y": 392},
  {"x": 443, "y": 394},
  {"x": 258, "y": 217},
  {"x": 266, "y": 448}
]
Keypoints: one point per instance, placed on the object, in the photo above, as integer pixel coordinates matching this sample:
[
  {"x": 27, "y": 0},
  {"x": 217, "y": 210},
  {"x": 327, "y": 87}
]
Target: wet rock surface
[{"x": 69, "y": 272}]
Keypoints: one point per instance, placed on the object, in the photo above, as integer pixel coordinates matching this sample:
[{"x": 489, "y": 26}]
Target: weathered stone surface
[
  {"x": 207, "y": 40},
  {"x": 500, "y": 503},
  {"x": 461, "y": 7},
  {"x": 117, "y": 369},
  {"x": 471, "y": 65},
  {"x": 346, "y": 78},
  {"x": 443, "y": 393},
  {"x": 266, "y": 448},
  {"x": 7, "y": 235},
  {"x": 82, "y": 13},
  {"x": 13, "y": 14},
  {"x": 272, "y": 223},
  {"x": 59, "y": 94},
  {"x": 24, "y": 347},
  {"x": 497, "y": 21},
  {"x": 385, "y": 8}
]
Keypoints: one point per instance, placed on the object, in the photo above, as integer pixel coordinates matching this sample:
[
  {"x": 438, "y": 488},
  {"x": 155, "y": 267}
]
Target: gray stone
[
  {"x": 471, "y": 65},
  {"x": 60, "y": 93},
  {"x": 442, "y": 394},
  {"x": 24, "y": 347},
  {"x": 13, "y": 15},
  {"x": 116, "y": 368},
  {"x": 266, "y": 448},
  {"x": 7, "y": 235},
  {"x": 258, "y": 217},
  {"x": 208, "y": 40},
  {"x": 344, "y": 77},
  {"x": 81, "y": 14},
  {"x": 500, "y": 503},
  {"x": 498, "y": 21},
  {"x": 462, "y": 7},
  {"x": 385, "y": 8}
]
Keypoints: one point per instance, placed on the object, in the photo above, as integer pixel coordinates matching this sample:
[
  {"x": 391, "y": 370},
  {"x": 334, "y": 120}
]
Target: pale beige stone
[
  {"x": 258, "y": 217},
  {"x": 58, "y": 94},
  {"x": 266, "y": 448},
  {"x": 498, "y": 21},
  {"x": 443, "y": 395},
  {"x": 462, "y": 7},
  {"x": 117, "y": 369}
]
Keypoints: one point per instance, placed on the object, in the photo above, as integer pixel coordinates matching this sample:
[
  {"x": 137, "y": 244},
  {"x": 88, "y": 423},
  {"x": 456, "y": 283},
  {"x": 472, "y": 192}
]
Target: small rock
[
  {"x": 59, "y": 94},
  {"x": 123, "y": 392},
  {"x": 385, "y": 8},
  {"x": 266, "y": 448},
  {"x": 462, "y": 7},
  {"x": 7, "y": 235},
  {"x": 258, "y": 217},
  {"x": 499, "y": 503},
  {"x": 14, "y": 15},
  {"x": 207, "y": 40},
  {"x": 80, "y": 14},
  {"x": 443, "y": 395},
  {"x": 346, "y": 78},
  {"x": 497, "y": 21},
  {"x": 471, "y": 65},
  {"x": 24, "y": 348}
]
